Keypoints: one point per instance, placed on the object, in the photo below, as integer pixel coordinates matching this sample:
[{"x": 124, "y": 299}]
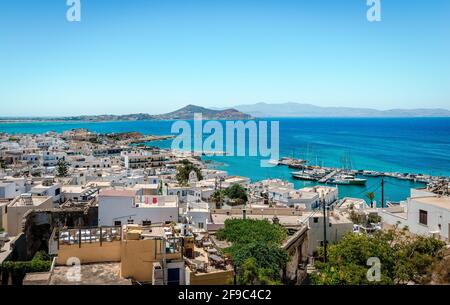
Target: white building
[
  {"x": 153, "y": 180},
  {"x": 213, "y": 174},
  {"x": 142, "y": 159},
  {"x": 337, "y": 225},
  {"x": 198, "y": 214},
  {"x": 82, "y": 161},
  {"x": 78, "y": 193},
  {"x": 50, "y": 159},
  {"x": 48, "y": 188},
  {"x": 423, "y": 213},
  {"x": 327, "y": 193},
  {"x": 123, "y": 206},
  {"x": 32, "y": 158},
  {"x": 7, "y": 190},
  {"x": 183, "y": 192}
]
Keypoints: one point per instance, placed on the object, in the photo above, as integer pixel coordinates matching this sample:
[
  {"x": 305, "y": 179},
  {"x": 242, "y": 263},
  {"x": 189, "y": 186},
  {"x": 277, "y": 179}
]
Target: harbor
[
  {"x": 332, "y": 175},
  {"x": 350, "y": 182}
]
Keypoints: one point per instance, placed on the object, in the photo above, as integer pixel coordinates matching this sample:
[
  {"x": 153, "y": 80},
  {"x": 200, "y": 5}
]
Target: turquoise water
[{"x": 407, "y": 145}]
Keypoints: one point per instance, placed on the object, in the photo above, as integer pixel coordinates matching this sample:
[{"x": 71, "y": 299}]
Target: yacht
[{"x": 347, "y": 180}]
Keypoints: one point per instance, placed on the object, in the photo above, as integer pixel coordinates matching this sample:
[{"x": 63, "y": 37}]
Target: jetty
[{"x": 329, "y": 176}]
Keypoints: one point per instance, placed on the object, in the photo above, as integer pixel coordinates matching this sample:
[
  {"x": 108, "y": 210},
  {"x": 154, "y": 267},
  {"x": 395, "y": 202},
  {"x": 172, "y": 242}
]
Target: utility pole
[
  {"x": 382, "y": 193},
  {"x": 220, "y": 192},
  {"x": 324, "y": 229}
]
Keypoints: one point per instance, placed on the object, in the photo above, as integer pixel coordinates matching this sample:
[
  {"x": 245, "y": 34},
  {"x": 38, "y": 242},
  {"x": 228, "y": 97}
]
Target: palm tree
[{"x": 371, "y": 197}]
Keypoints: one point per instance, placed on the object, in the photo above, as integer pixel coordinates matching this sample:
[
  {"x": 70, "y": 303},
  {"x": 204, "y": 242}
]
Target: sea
[{"x": 404, "y": 145}]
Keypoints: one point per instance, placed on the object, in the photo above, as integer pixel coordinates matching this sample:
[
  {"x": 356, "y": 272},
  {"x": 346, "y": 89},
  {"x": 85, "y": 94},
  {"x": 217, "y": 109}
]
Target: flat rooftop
[
  {"x": 302, "y": 195},
  {"x": 76, "y": 189},
  {"x": 441, "y": 202},
  {"x": 91, "y": 274},
  {"x": 236, "y": 179},
  {"x": 102, "y": 184},
  {"x": 117, "y": 193},
  {"x": 146, "y": 186},
  {"x": 34, "y": 200},
  {"x": 156, "y": 201}
]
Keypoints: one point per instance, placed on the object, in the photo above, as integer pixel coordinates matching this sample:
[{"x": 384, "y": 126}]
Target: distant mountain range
[
  {"x": 185, "y": 113},
  {"x": 248, "y": 112},
  {"x": 264, "y": 110}
]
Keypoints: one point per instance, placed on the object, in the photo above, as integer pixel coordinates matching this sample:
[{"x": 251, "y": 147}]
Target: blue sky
[{"x": 155, "y": 56}]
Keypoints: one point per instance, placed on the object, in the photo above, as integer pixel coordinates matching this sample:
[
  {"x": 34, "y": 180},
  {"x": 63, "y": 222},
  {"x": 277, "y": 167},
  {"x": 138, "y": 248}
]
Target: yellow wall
[
  {"x": 136, "y": 256},
  {"x": 12, "y": 220},
  {"x": 90, "y": 253},
  {"x": 149, "y": 192},
  {"x": 224, "y": 277},
  {"x": 137, "y": 259}
]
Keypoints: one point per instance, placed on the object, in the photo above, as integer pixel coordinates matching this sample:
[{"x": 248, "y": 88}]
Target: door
[{"x": 173, "y": 277}]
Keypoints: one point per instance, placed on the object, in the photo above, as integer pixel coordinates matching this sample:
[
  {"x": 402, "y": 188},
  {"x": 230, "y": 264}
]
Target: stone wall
[{"x": 38, "y": 225}]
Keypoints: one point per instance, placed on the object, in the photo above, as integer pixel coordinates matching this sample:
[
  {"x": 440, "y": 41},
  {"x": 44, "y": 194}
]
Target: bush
[
  {"x": 41, "y": 262},
  {"x": 184, "y": 170},
  {"x": 251, "y": 230},
  {"x": 403, "y": 258},
  {"x": 255, "y": 249},
  {"x": 237, "y": 193}
]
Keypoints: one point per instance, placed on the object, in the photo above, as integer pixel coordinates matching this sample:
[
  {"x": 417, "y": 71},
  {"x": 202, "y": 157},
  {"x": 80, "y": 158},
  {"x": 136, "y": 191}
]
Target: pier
[{"x": 329, "y": 176}]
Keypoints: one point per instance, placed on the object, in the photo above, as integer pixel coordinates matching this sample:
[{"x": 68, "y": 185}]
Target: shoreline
[{"x": 31, "y": 121}]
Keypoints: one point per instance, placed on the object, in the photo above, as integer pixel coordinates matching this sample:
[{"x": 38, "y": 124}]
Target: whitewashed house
[
  {"x": 423, "y": 213},
  {"x": 117, "y": 207}
]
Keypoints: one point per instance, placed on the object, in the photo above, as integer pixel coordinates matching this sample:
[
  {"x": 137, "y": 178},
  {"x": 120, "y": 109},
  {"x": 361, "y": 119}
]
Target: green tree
[
  {"x": 160, "y": 188},
  {"x": 373, "y": 218},
  {"x": 236, "y": 192},
  {"x": 256, "y": 249},
  {"x": 251, "y": 274},
  {"x": 184, "y": 170},
  {"x": 217, "y": 197},
  {"x": 403, "y": 258},
  {"x": 61, "y": 169},
  {"x": 371, "y": 197}
]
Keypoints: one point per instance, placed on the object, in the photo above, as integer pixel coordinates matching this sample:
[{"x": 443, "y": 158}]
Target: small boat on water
[
  {"x": 292, "y": 163},
  {"x": 304, "y": 176},
  {"x": 274, "y": 162},
  {"x": 372, "y": 174},
  {"x": 297, "y": 165},
  {"x": 347, "y": 180}
]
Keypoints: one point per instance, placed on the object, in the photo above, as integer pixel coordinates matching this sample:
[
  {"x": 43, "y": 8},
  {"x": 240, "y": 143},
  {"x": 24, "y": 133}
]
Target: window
[
  {"x": 200, "y": 225},
  {"x": 423, "y": 217},
  {"x": 117, "y": 223},
  {"x": 130, "y": 221},
  {"x": 146, "y": 223},
  {"x": 316, "y": 219}
]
